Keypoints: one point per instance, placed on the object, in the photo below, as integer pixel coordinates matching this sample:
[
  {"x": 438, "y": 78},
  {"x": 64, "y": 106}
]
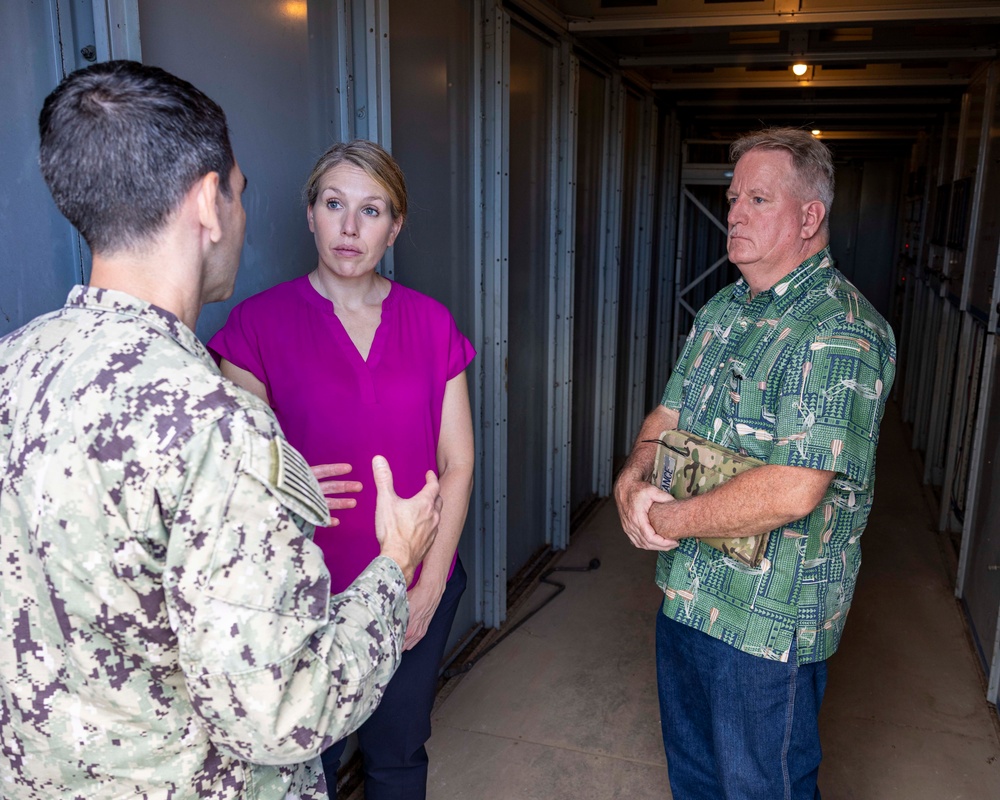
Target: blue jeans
[
  {"x": 392, "y": 739},
  {"x": 736, "y": 726}
]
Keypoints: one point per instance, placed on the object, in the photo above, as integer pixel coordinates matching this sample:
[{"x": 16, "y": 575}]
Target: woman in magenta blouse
[{"x": 356, "y": 365}]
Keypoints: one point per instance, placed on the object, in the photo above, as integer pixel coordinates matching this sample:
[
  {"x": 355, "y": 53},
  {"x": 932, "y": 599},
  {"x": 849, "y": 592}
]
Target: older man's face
[{"x": 765, "y": 214}]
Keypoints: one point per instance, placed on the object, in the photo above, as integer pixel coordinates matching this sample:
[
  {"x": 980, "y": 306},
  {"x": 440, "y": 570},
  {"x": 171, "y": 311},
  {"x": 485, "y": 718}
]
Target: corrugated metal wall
[{"x": 948, "y": 344}]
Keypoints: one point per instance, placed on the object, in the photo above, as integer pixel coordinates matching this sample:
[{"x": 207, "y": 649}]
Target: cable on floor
[{"x": 593, "y": 564}]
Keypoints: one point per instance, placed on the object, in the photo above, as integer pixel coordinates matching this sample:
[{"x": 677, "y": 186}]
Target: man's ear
[
  {"x": 206, "y": 191},
  {"x": 813, "y": 214}
]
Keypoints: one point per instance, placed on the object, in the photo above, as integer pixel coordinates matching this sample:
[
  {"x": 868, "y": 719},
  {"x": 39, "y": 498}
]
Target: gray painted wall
[
  {"x": 251, "y": 57},
  {"x": 39, "y": 256}
]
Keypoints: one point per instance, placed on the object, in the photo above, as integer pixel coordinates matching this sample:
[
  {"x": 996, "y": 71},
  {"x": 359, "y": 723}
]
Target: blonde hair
[{"x": 373, "y": 160}]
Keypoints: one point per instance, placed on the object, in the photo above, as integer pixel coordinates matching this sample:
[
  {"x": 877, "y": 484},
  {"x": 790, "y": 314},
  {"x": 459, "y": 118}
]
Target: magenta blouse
[{"x": 335, "y": 407}]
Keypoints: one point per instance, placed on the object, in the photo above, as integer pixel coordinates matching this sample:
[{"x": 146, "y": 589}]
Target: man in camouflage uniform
[
  {"x": 791, "y": 366},
  {"x": 168, "y": 629}
]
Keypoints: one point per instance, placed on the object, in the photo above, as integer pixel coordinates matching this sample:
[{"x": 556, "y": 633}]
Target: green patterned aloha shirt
[{"x": 796, "y": 376}]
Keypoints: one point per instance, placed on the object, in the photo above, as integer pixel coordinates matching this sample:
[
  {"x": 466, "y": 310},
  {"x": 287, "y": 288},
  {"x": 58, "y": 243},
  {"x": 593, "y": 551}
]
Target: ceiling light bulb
[
  {"x": 800, "y": 69},
  {"x": 816, "y": 132}
]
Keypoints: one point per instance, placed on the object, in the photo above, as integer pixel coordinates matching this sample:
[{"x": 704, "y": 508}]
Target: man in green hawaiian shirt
[
  {"x": 790, "y": 365},
  {"x": 168, "y": 628}
]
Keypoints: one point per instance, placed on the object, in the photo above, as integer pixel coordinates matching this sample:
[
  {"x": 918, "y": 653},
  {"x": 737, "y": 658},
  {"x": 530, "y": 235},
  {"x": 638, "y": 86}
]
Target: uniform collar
[
  {"x": 794, "y": 284},
  {"x": 116, "y": 302}
]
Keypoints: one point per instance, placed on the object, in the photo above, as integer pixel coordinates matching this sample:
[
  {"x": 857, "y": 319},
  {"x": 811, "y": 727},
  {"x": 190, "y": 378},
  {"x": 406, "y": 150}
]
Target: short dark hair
[
  {"x": 121, "y": 144},
  {"x": 811, "y": 158}
]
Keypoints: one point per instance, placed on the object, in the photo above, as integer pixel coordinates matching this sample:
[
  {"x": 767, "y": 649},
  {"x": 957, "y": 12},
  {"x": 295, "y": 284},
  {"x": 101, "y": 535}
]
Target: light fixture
[
  {"x": 295, "y": 9},
  {"x": 816, "y": 132},
  {"x": 800, "y": 69}
]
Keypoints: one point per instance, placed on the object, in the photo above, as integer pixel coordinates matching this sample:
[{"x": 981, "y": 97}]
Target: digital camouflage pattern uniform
[
  {"x": 796, "y": 376},
  {"x": 167, "y": 624}
]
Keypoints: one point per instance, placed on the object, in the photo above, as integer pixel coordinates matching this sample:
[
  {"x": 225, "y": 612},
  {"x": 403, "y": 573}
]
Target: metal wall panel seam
[
  {"x": 925, "y": 213},
  {"x": 667, "y": 228},
  {"x": 675, "y": 332},
  {"x": 921, "y": 362},
  {"x": 928, "y": 359},
  {"x": 598, "y": 464},
  {"x": 643, "y": 252},
  {"x": 960, "y": 400},
  {"x": 976, "y": 463},
  {"x": 979, "y": 337},
  {"x": 563, "y": 291},
  {"x": 910, "y": 393},
  {"x": 609, "y": 286},
  {"x": 496, "y": 86},
  {"x": 905, "y": 329},
  {"x": 995, "y": 299},
  {"x": 365, "y": 64},
  {"x": 941, "y": 398},
  {"x": 552, "y": 266},
  {"x": 477, "y": 506},
  {"x": 116, "y": 29},
  {"x": 72, "y": 40},
  {"x": 980, "y": 183},
  {"x": 379, "y": 30},
  {"x": 67, "y": 51},
  {"x": 993, "y": 685},
  {"x": 379, "y": 95},
  {"x": 956, "y": 173},
  {"x": 345, "y": 72}
]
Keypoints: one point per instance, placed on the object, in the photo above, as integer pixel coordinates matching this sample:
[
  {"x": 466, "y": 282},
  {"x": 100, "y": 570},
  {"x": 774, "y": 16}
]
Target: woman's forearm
[
  {"x": 455, "y": 461},
  {"x": 456, "y": 489}
]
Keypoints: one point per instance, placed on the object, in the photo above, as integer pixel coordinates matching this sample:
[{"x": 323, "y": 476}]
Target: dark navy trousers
[{"x": 392, "y": 739}]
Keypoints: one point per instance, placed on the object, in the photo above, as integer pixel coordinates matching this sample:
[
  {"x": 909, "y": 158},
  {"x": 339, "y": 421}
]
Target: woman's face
[{"x": 351, "y": 222}]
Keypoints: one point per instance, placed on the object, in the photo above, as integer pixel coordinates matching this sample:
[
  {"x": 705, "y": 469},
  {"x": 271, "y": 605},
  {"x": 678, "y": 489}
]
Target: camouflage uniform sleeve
[{"x": 276, "y": 669}]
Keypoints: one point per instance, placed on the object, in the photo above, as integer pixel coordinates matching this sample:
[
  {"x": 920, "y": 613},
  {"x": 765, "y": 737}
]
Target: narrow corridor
[{"x": 566, "y": 706}]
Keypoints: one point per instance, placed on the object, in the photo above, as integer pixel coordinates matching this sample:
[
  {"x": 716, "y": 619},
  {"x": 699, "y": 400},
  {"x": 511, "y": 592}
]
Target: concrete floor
[{"x": 566, "y": 706}]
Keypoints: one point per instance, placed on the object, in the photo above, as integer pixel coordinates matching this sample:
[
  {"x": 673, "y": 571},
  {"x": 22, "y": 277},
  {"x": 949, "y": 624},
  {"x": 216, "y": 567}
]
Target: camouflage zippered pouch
[{"x": 687, "y": 465}]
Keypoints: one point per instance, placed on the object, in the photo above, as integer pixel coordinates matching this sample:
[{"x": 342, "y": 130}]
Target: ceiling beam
[
  {"x": 730, "y": 58},
  {"x": 755, "y": 81},
  {"x": 875, "y": 76},
  {"x": 820, "y": 101},
  {"x": 804, "y": 106},
  {"x": 630, "y": 25}
]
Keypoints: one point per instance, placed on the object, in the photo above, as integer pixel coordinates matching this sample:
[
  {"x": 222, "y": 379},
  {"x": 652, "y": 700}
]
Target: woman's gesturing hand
[{"x": 323, "y": 473}]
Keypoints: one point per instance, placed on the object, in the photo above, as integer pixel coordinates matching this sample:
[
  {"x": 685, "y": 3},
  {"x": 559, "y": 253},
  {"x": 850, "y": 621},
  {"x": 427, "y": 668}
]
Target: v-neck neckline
[{"x": 325, "y": 305}]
